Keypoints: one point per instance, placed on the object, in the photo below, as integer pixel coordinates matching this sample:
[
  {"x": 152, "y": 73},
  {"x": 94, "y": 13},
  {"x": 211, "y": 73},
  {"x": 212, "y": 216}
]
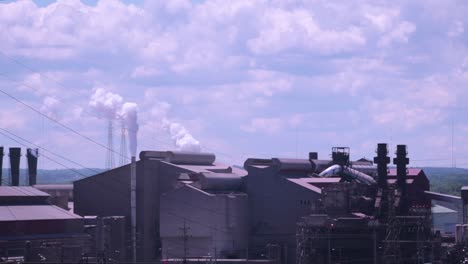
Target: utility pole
[{"x": 185, "y": 230}]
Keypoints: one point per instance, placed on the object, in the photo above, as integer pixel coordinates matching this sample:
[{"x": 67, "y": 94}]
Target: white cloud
[
  {"x": 285, "y": 30},
  {"x": 263, "y": 125},
  {"x": 399, "y": 34},
  {"x": 457, "y": 29}
]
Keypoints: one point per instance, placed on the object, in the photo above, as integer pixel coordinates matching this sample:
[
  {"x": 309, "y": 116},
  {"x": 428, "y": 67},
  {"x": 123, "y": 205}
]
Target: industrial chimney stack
[
  {"x": 32, "y": 155},
  {"x": 1, "y": 166},
  {"x": 401, "y": 161},
  {"x": 15, "y": 156},
  {"x": 382, "y": 160}
]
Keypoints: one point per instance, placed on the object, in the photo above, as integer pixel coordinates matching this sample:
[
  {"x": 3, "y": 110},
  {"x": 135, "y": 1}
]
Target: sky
[{"x": 243, "y": 78}]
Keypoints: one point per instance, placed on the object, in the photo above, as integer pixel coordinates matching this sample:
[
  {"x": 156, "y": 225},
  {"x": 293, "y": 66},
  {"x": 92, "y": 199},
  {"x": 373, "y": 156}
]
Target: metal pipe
[
  {"x": 348, "y": 173},
  {"x": 32, "y": 155},
  {"x": 15, "y": 156},
  {"x": 1, "y": 166},
  {"x": 401, "y": 161},
  {"x": 382, "y": 160},
  {"x": 133, "y": 207}
]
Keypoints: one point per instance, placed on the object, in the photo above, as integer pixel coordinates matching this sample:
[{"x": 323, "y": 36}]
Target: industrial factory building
[{"x": 190, "y": 206}]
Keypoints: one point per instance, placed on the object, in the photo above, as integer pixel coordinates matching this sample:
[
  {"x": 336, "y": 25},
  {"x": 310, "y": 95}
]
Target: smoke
[
  {"x": 129, "y": 115},
  {"x": 112, "y": 107},
  {"x": 183, "y": 140},
  {"x": 106, "y": 104}
]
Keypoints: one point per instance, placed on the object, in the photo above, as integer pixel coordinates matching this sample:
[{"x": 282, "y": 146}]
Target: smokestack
[
  {"x": 401, "y": 161},
  {"x": 15, "y": 156},
  {"x": 133, "y": 206},
  {"x": 32, "y": 155},
  {"x": 313, "y": 155},
  {"x": 1, "y": 166},
  {"x": 382, "y": 160}
]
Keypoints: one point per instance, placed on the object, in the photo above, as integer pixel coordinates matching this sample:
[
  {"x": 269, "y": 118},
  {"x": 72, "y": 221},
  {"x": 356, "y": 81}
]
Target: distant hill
[
  {"x": 54, "y": 176},
  {"x": 447, "y": 180}
]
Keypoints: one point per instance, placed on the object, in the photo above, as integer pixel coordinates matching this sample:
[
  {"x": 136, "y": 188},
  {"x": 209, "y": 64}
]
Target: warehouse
[
  {"x": 184, "y": 185},
  {"x": 34, "y": 230}
]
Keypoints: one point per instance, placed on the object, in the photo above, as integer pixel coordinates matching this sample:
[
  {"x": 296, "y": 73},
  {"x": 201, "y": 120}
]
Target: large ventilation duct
[
  {"x": 15, "y": 156},
  {"x": 382, "y": 160},
  {"x": 348, "y": 174},
  {"x": 401, "y": 161},
  {"x": 1, "y": 166},
  {"x": 32, "y": 155}
]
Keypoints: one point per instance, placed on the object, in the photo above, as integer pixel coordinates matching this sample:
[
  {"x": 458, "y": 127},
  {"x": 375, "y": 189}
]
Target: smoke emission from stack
[
  {"x": 183, "y": 140},
  {"x": 111, "y": 106},
  {"x": 129, "y": 115},
  {"x": 179, "y": 134}
]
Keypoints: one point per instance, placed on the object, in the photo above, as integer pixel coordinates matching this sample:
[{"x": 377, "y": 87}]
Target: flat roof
[
  {"x": 21, "y": 191},
  {"x": 34, "y": 212},
  {"x": 438, "y": 209}
]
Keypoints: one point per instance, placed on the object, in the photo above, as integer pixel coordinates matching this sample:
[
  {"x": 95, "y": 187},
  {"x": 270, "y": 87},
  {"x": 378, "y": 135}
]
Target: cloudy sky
[{"x": 244, "y": 78}]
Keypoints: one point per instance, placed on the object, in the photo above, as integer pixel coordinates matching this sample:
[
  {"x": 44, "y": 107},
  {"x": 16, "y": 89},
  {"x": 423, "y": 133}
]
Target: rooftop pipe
[
  {"x": 15, "y": 156},
  {"x": 32, "y": 155},
  {"x": 382, "y": 160},
  {"x": 401, "y": 161},
  {"x": 1, "y": 166}
]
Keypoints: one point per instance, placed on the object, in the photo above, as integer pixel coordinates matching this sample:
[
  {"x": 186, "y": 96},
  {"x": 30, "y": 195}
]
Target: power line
[
  {"x": 44, "y": 149},
  {"x": 55, "y": 121},
  {"x": 45, "y": 156}
]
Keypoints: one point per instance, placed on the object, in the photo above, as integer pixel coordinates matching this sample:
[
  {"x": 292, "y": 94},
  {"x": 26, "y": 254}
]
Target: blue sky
[{"x": 243, "y": 78}]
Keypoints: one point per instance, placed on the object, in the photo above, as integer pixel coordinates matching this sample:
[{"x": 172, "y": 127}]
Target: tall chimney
[
  {"x": 382, "y": 160},
  {"x": 32, "y": 155},
  {"x": 313, "y": 155},
  {"x": 133, "y": 207},
  {"x": 401, "y": 161},
  {"x": 15, "y": 156},
  {"x": 1, "y": 166}
]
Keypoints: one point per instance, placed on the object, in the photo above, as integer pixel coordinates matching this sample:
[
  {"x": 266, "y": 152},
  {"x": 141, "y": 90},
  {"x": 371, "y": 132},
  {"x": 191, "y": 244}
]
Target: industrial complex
[{"x": 184, "y": 207}]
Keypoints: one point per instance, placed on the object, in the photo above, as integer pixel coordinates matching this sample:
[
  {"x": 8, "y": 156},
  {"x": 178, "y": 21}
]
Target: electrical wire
[
  {"x": 51, "y": 152},
  {"x": 45, "y": 156},
  {"x": 55, "y": 121}
]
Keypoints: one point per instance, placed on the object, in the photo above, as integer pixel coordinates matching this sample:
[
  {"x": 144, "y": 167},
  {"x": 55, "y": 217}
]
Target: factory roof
[
  {"x": 34, "y": 212},
  {"x": 438, "y": 209},
  {"x": 412, "y": 172},
  {"x": 214, "y": 168},
  {"x": 314, "y": 184},
  {"x": 20, "y": 191},
  {"x": 305, "y": 184},
  {"x": 66, "y": 187}
]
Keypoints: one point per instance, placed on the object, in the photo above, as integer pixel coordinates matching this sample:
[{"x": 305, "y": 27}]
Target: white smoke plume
[
  {"x": 106, "y": 104},
  {"x": 180, "y": 136},
  {"x": 183, "y": 140},
  {"x": 129, "y": 115},
  {"x": 111, "y": 106}
]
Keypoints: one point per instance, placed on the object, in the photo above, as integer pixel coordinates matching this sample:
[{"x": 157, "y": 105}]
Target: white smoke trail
[
  {"x": 183, "y": 140},
  {"x": 106, "y": 104},
  {"x": 181, "y": 137},
  {"x": 129, "y": 115},
  {"x": 111, "y": 106}
]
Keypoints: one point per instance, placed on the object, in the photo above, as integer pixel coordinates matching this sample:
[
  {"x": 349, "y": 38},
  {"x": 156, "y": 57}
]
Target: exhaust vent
[
  {"x": 32, "y": 156},
  {"x": 15, "y": 156}
]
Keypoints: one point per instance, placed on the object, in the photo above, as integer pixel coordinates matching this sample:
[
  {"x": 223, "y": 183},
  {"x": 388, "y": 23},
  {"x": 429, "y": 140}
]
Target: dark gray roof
[
  {"x": 34, "y": 212},
  {"x": 54, "y": 187},
  {"x": 21, "y": 191}
]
